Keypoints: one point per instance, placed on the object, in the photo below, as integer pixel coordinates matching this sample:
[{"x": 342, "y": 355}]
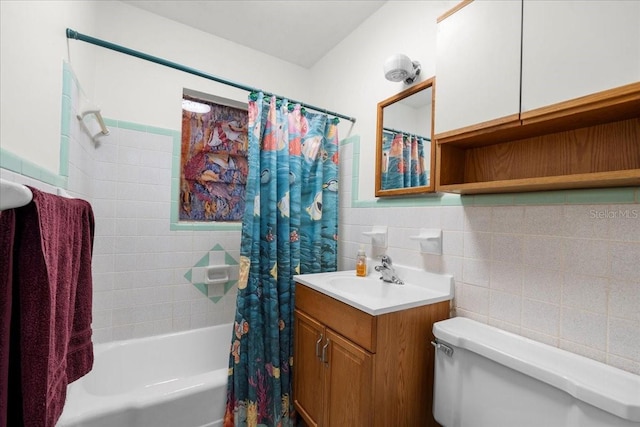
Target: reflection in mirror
[
  {"x": 403, "y": 160},
  {"x": 404, "y": 147}
]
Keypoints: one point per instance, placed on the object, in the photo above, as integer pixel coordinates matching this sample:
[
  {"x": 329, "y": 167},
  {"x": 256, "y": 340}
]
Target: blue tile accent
[
  {"x": 132, "y": 126},
  {"x": 541, "y": 198},
  {"x": 162, "y": 131},
  {"x": 65, "y": 120},
  {"x": 64, "y": 155},
  {"x": 62, "y": 182},
  {"x": 602, "y": 195},
  {"x": 66, "y": 80},
  {"x": 31, "y": 170},
  {"x": 196, "y": 226},
  {"x": 451, "y": 199},
  {"x": 205, "y": 261},
  {"x": 493, "y": 199},
  {"x": 229, "y": 260},
  {"x": 16, "y": 164},
  {"x": 110, "y": 122},
  {"x": 10, "y": 161},
  {"x": 49, "y": 177}
]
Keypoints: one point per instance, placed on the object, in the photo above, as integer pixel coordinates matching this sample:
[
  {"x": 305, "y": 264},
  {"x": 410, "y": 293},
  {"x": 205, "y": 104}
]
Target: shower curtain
[
  {"x": 404, "y": 161},
  {"x": 290, "y": 227}
]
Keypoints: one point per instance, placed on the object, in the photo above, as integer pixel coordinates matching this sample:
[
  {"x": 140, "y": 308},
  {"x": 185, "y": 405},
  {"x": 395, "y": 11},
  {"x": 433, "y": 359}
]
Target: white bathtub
[{"x": 170, "y": 380}]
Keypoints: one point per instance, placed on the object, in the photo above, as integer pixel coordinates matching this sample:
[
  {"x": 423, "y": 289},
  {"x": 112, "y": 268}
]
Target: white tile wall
[
  {"x": 138, "y": 263},
  {"x": 565, "y": 275}
]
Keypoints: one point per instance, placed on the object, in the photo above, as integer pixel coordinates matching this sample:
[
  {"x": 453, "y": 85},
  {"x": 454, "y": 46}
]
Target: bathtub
[{"x": 171, "y": 380}]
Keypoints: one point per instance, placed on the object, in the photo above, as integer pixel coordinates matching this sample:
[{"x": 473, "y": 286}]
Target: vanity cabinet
[
  {"x": 333, "y": 376},
  {"x": 355, "y": 369},
  {"x": 577, "y": 123},
  {"x": 309, "y": 368}
]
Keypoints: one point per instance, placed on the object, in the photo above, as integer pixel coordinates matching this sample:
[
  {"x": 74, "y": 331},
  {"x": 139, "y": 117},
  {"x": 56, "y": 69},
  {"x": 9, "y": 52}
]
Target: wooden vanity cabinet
[
  {"x": 308, "y": 370},
  {"x": 354, "y": 369}
]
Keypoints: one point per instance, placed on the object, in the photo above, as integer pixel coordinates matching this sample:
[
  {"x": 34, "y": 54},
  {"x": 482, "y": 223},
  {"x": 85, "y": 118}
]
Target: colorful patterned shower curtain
[
  {"x": 290, "y": 227},
  {"x": 403, "y": 161}
]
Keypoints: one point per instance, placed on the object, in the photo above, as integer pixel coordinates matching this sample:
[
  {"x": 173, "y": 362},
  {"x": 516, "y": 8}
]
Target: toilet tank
[{"x": 487, "y": 377}]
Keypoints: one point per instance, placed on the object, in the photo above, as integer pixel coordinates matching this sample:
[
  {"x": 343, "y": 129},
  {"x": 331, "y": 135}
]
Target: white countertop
[{"x": 375, "y": 297}]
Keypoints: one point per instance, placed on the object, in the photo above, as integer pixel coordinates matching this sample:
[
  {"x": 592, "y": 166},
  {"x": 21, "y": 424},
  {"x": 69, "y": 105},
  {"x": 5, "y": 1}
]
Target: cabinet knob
[{"x": 318, "y": 345}]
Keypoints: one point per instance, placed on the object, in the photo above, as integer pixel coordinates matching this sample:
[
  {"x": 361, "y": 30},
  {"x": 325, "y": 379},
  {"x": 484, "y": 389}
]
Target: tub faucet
[{"x": 387, "y": 271}]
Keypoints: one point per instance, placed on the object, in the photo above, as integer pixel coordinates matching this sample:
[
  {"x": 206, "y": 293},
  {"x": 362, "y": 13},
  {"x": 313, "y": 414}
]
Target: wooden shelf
[
  {"x": 603, "y": 107},
  {"x": 587, "y": 180},
  {"x": 589, "y": 142}
]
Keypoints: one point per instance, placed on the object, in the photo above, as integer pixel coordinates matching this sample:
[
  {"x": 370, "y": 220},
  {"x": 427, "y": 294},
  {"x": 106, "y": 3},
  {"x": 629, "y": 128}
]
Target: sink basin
[
  {"x": 375, "y": 297},
  {"x": 356, "y": 283}
]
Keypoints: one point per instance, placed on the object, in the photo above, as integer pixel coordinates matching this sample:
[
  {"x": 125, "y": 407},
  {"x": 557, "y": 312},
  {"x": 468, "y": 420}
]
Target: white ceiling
[{"x": 311, "y": 28}]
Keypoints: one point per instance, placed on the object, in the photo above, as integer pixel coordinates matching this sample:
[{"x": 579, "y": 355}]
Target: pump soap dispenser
[{"x": 361, "y": 262}]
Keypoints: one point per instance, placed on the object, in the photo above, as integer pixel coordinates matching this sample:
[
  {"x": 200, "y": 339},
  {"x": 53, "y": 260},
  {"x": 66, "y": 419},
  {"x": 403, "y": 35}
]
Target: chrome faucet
[{"x": 387, "y": 271}]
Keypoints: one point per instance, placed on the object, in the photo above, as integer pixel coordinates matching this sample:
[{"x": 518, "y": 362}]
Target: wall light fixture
[{"x": 399, "y": 67}]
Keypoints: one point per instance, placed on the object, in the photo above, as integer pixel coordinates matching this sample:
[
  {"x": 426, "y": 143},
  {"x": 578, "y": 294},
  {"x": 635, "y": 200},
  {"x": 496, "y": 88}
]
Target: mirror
[{"x": 405, "y": 151}]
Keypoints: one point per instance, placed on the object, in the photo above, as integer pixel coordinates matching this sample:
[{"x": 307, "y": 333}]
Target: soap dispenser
[{"x": 361, "y": 262}]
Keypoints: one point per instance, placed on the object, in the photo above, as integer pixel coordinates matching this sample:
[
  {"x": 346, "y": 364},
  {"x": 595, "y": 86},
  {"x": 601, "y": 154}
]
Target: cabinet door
[
  {"x": 576, "y": 48},
  {"x": 349, "y": 394},
  {"x": 308, "y": 374},
  {"x": 478, "y": 66}
]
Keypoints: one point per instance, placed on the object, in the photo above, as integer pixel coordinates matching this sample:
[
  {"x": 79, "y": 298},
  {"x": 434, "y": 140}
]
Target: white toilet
[{"x": 487, "y": 377}]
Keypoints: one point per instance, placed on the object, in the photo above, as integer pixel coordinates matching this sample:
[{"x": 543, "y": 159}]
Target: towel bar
[{"x": 13, "y": 195}]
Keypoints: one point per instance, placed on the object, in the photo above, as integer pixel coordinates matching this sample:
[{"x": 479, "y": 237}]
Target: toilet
[{"x": 487, "y": 377}]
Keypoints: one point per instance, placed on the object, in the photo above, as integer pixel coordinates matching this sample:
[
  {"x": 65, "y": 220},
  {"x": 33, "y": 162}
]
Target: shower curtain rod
[
  {"x": 72, "y": 34},
  {"x": 405, "y": 132}
]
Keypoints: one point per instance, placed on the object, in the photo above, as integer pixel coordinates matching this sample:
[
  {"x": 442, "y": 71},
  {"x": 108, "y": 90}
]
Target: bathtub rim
[
  {"x": 128, "y": 341},
  {"x": 84, "y": 406}
]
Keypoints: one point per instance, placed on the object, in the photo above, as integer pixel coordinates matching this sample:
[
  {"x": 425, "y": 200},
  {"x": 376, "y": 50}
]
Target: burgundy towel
[
  {"x": 7, "y": 227},
  {"x": 52, "y": 251}
]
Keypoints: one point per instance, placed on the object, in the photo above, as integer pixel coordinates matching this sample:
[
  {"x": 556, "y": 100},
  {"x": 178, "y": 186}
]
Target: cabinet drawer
[{"x": 348, "y": 321}]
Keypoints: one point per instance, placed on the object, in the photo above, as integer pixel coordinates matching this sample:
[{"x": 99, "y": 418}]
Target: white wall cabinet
[
  {"x": 478, "y": 65},
  {"x": 570, "y": 49},
  {"x": 576, "y": 48},
  {"x": 576, "y": 121}
]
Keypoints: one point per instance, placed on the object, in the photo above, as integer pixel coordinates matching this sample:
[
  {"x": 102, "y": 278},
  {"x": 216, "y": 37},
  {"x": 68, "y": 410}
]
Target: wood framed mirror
[{"x": 405, "y": 150}]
